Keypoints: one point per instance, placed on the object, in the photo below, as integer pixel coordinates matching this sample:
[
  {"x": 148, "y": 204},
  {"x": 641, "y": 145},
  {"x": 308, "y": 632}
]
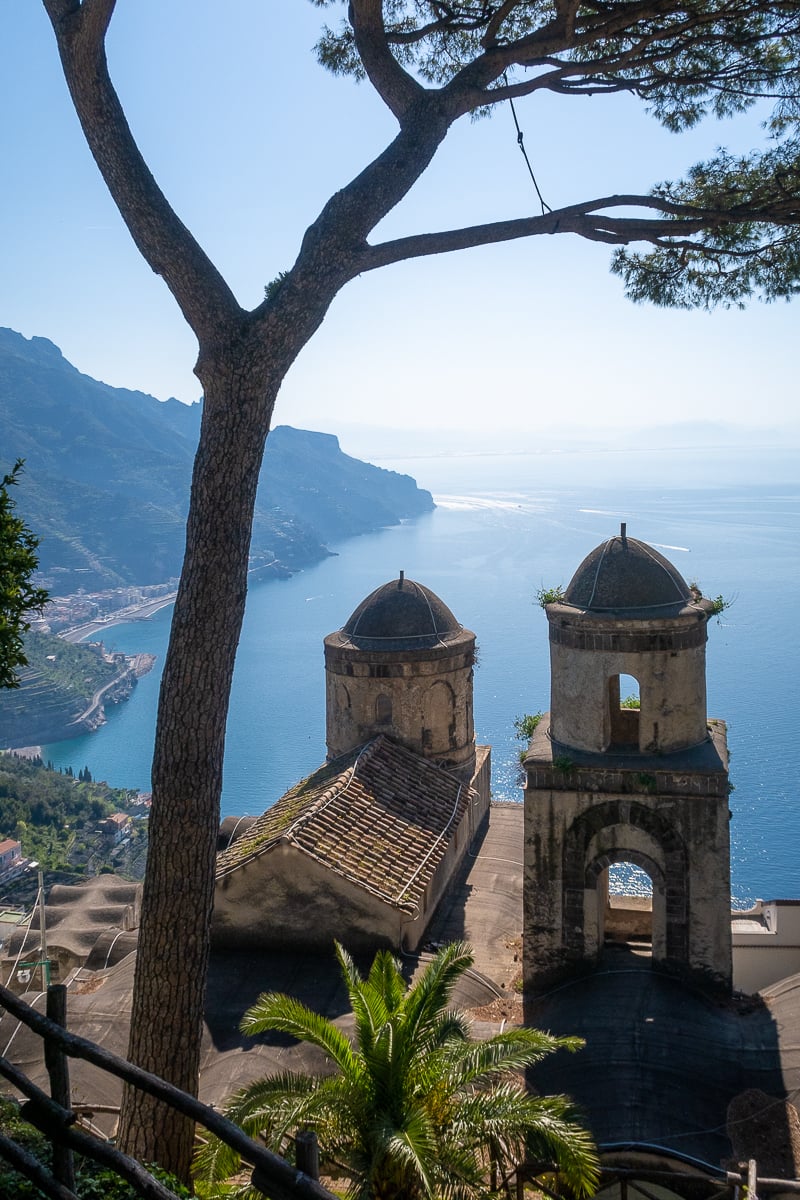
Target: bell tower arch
[{"x": 639, "y": 777}]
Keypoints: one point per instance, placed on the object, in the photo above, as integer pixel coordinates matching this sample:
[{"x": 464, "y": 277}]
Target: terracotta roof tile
[{"x": 380, "y": 816}]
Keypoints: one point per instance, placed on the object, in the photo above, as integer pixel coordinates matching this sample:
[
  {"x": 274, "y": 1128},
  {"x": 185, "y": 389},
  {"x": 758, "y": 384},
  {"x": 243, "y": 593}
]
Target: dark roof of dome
[
  {"x": 624, "y": 574},
  {"x": 401, "y": 615}
]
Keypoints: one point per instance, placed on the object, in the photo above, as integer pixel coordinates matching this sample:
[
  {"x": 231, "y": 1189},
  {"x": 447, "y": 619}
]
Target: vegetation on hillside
[
  {"x": 19, "y": 596},
  {"x": 71, "y": 666},
  {"x": 56, "y": 687},
  {"x": 56, "y": 816},
  {"x": 109, "y": 471}
]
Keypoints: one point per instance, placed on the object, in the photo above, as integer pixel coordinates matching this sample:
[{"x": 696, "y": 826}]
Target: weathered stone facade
[
  {"x": 363, "y": 849},
  {"x": 606, "y": 783},
  {"x": 402, "y": 666}
]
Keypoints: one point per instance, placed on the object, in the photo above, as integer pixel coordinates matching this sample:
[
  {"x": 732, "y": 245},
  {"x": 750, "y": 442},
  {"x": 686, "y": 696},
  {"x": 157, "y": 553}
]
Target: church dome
[
  {"x": 401, "y": 615},
  {"x": 624, "y": 574}
]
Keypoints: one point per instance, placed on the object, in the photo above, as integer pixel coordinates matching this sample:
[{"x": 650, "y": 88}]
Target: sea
[{"x": 505, "y": 526}]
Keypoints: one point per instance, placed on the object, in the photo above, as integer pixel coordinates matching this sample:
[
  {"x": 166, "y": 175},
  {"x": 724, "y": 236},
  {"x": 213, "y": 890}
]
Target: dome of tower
[
  {"x": 626, "y": 574},
  {"x": 401, "y": 615}
]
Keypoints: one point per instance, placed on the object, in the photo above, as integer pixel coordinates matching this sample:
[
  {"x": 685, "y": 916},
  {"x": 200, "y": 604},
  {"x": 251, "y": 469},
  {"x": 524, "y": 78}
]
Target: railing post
[
  {"x": 307, "y": 1152},
  {"x": 752, "y": 1180},
  {"x": 58, "y": 1069}
]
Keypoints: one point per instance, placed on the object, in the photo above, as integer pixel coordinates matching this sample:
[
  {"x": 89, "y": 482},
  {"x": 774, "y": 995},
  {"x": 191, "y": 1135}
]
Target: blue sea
[{"x": 505, "y": 526}]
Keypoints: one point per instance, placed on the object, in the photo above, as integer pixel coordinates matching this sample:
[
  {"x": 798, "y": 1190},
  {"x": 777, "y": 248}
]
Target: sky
[{"x": 502, "y": 347}]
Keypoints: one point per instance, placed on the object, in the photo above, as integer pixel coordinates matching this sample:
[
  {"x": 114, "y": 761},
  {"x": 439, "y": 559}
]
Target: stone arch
[
  {"x": 439, "y": 717},
  {"x": 343, "y": 697},
  {"x": 651, "y": 861},
  {"x": 625, "y": 830}
]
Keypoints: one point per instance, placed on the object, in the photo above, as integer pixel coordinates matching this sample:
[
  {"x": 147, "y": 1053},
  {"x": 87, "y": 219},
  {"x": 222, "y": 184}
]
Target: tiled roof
[{"x": 380, "y": 816}]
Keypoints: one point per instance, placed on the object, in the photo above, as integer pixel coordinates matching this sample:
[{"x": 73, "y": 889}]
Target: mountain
[{"x": 108, "y": 471}]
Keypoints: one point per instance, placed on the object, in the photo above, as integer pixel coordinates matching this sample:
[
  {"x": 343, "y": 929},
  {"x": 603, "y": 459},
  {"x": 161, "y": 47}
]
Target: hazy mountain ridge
[{"x": 108, "y": 471}]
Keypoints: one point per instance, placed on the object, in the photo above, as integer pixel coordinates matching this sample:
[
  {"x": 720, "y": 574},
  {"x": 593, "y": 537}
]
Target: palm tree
[{"x": 415, "y": 1109}]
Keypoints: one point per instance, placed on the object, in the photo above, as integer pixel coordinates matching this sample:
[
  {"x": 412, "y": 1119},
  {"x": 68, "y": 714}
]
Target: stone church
[
  {"x": 607, "y": 783},
  {"x": 363, "y": 849}
]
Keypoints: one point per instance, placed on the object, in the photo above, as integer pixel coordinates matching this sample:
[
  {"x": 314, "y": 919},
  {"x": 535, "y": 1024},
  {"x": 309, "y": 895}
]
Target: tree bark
[{"x": 187, "y": 765}]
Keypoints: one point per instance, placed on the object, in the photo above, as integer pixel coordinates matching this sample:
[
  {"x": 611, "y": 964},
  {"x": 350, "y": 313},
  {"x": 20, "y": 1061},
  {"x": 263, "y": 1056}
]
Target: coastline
[{"x": 134, "y": 612}]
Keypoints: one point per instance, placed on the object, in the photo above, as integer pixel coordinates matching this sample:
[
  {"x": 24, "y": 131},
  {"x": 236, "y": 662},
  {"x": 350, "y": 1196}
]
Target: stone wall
[
  {"x": 671, "y": 822},
  {"x": 422, "y": 699}
]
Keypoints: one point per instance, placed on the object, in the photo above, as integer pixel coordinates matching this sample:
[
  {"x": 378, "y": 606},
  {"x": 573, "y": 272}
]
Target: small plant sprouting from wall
[
  {"x": 647, "y": 782},
  {"x": 718, "y": 603},
  {"x": 526, "y": 725},
  {"x": 551, "y": 595},
  {"x": 524, "y": 729},
  {"x": 564, "y": 764}
]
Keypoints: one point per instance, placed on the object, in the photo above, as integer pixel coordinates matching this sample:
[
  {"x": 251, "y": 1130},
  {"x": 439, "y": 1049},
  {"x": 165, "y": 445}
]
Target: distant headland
[{"x": 108, "y": 472}]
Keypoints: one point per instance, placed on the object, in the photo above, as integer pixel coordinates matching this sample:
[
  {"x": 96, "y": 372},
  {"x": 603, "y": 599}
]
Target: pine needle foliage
[
  {"x": 18, "y": 594},
  {"x": 413, "y": 1107}
]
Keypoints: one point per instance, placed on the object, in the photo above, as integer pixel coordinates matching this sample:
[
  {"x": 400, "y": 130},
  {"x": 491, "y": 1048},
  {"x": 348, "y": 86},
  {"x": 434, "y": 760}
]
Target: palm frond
[
  {"x": 415, "y": 1108},
  {"x": 386, "y": 980},
  {"x": 280, "y": 1013},
  {"x": 513, "y": 1050},
  {"x": 430, "y": 995},
  {"x": 368, "y": 1004},
  {"x": 556, "y": 1132}
]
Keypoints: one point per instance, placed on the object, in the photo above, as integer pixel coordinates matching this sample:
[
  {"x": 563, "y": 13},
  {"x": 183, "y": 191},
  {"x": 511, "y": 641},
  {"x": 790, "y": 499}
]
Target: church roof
[
  {"x": 401, "y": 615},
  {"x": 379, "y": 816},
  {"x": 624, "y": 574}
]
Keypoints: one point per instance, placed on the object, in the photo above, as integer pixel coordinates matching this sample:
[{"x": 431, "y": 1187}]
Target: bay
[{"x": 504, "y": 527}]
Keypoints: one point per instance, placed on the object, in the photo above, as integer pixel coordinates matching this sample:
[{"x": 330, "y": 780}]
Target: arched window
[
  {"x": 625, "y": 906},
  {"x": 438, "y": 717},
  {"x": 623, "y": 706}
]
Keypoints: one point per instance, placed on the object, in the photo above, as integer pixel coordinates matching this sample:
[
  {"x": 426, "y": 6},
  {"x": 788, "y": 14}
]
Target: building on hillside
[
  {"x": 641, "y": 780},
  {"x": 363, "y": 849},
  {"x": 117, "y": 827},
  {"x": 11, "y": 858}
]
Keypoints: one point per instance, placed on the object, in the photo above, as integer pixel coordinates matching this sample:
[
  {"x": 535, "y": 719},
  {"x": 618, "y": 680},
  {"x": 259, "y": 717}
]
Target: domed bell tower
[
  {"x": 402, "y": 666},
  {"x": 616, "y": 779}
]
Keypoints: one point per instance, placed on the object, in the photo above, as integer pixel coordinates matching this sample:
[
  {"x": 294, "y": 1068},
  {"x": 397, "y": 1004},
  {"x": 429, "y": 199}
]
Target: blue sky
[{"x": 248, "y": 137}]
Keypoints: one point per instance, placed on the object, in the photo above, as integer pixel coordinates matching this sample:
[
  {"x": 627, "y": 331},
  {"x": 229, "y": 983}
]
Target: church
[
  {"x": 364, "y": 848},
  {"x": 645, "y": 784}
]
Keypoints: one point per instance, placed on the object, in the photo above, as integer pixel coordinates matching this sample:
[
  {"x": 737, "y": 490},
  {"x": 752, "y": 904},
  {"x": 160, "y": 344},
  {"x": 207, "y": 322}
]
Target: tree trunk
[{"x": 167, "y": 1016}]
